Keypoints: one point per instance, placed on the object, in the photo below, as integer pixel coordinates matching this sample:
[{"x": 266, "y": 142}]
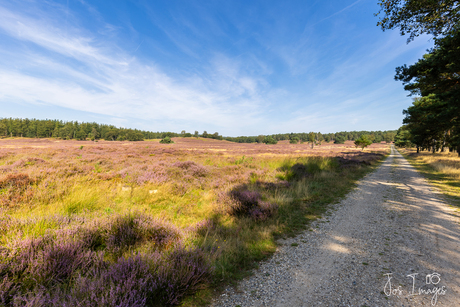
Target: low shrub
[
  {"x": 181, "y": 272},
  {"x": 167, "y": 140},
  {"x": 61, "y": 269},
  {"x": 243, "y": 202},
  {"x": 271, "y": 186},
  {"x": 263, "y": 211},
  {"x": 121, "y": 233},
  {"x": 127, "y": 230},
  {"x": 127, "y": 282},
  {"x": 16, "y": 181},
  {"x": 191, "y": 168},
  {"x": 156, "y": 231}
]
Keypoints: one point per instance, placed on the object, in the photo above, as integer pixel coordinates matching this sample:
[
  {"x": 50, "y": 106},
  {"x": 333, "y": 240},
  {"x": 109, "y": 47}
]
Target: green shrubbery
[
  {"x": 363, "y": 142},
  {"x": 270, "y": 140},
  {"x": 167, "y": 140}
]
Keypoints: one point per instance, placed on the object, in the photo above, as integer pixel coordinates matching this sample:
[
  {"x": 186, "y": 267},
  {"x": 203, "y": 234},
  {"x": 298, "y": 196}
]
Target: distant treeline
[
  {"x": 318, "y": 137},
  {"x": 73, "y": 130}
]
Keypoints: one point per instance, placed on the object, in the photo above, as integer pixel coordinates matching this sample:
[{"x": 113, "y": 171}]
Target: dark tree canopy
[
  {"x": 73, "y": 130},
  {"x": 433, "y": 119},
  {"x": 414, "y": 17},
  {"x": 432, "y": 122},
  {"x": 438, "y": 72}
]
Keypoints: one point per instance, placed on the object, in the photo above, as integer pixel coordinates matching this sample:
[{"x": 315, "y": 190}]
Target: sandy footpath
[{"x": 391, "y": 242}]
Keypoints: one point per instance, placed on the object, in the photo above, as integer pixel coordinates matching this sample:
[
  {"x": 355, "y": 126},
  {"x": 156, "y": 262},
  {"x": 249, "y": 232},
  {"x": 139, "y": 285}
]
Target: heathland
[{"x": 144, "y": 224}]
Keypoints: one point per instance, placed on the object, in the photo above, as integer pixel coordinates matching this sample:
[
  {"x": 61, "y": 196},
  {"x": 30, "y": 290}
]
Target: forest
[{"x": 74, "y": 130}]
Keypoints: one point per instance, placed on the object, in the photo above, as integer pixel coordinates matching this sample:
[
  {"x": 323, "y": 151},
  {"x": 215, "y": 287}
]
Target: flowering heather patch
[
  {"x": 152, "y": 177},
  {"x": 263, "y": 211},
  {"x": 121, "y": 233},
  {"x": 14, "y": 188},
  {"x": 357, "y": 159},
  {"x": 38, "y": 265},
  {"x": 243, "y": 202},
  {"x": 126, "y": 224},
  {"x": 16, "y": 181},
  {"x": 26, "y": 162},
  {"x": 138, "y": 280},
  {"x": 192, "y": 169},
  {"x": 181, "y": 272},
  {"x": 160, "y": 233},
  {"x": 141, "y": 174},
  {"x": 125, "y": 231}
]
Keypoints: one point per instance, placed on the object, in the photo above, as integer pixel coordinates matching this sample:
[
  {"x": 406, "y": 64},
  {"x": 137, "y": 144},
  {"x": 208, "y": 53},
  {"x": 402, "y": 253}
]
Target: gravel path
[{"x": 375, "y": 248}]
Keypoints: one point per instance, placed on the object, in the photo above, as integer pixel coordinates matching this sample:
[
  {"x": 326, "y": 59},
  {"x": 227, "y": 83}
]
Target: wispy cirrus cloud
[{"x": 101, "y": 81}]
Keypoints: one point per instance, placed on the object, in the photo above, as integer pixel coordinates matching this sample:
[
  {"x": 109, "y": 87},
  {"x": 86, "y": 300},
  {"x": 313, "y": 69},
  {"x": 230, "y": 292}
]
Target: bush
[
  {"x": 167, "y": 140},
  {"x": 249, "y": 203},
  {"x": 294, "y": 140},
  {"x": 363, "y": 142},
  {"x": 180, "y": 272},
  {"x": 122, "y": 233},
  {"x": 270, "y": 140},
  {"x": 245, "y": 200},
  {"x": 128, "y": 230}
]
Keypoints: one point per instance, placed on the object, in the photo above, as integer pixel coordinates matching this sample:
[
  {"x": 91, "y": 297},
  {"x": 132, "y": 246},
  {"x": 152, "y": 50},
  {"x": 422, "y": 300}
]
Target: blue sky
[{"x": 233, "y": 67}]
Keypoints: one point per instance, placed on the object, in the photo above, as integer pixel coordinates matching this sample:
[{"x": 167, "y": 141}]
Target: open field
[
  {"x": 442, "y": 169},
  {"x": 143, "y": 223}
]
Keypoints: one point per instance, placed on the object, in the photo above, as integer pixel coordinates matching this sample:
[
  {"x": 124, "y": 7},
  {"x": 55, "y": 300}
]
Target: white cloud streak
[{"x": 119, "y": 85}]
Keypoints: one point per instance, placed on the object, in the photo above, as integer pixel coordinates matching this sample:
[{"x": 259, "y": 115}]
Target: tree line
[
  {"x": 74, "y": 130},
  {"x": 432, "y": 122},
  {"x": 317, "y": 137}
]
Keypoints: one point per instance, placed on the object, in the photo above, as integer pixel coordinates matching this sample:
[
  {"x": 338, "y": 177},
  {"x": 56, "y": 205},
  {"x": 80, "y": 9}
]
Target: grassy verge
[{"x": 441, "y": 169}]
